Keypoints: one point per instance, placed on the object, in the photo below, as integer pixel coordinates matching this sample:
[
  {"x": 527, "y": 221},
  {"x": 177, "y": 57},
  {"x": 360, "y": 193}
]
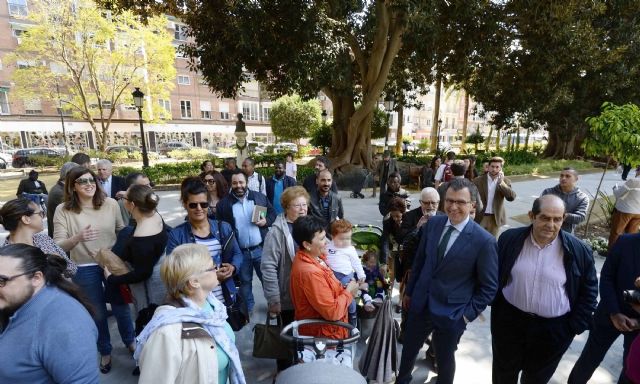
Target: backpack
[{"x": 447, "y": 175}]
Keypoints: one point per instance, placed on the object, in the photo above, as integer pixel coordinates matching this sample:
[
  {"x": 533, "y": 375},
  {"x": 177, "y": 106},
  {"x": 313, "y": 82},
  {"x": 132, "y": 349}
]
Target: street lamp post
[
  {"x": 389, "y": 105},
  {"x": 64, "y": 131},
  {"x": 324, "y": 122},
  {"x": 438, "y": 137},
  {"x": 138, "y": 100}
]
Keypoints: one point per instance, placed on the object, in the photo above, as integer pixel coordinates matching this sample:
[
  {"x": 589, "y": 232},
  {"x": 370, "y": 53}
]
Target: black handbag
[
  {"x": 237, "y": 312},
  {"x": 146, "y": 313},
  {"x": 267, "y": 343}
]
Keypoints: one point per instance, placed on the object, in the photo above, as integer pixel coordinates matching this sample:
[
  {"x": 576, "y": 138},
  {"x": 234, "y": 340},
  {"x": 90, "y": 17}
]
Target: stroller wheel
[
  {"x": 354, "y": 195},
  {"x": 361, "y": 195}
]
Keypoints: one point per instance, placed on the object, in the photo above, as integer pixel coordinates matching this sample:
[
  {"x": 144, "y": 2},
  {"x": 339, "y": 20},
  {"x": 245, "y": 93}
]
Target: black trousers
[
  {"x": 445, "y": 342},
  {"x": 526, "y": 343}
]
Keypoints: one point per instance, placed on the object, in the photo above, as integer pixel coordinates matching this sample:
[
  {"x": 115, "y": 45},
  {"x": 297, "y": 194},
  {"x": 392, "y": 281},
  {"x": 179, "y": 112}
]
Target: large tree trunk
[
  {"x": 465, "y": 121},
  {"x": 400, "y": 110},
  {"x": 435, "y": 126},
  {"x": 488, "y": 140},
  {"x": 526, "y": 140}
]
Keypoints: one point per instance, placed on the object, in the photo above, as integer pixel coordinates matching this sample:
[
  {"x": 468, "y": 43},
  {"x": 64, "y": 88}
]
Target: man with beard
[
  {"x": 237, "y": 209},
  {"x": 324, "y": 203},
  {"x": 255, "y": 181},
  {"x": 393, "y": 190},
  {"x": 277, "y": 184},
  {"x": 309, "y": 183},
  {"x": 415, "y": 218},
  {"x": 46, "y": 331},
  {"x": 494, "y": 188},
  {"x": 385, "y": 168}
]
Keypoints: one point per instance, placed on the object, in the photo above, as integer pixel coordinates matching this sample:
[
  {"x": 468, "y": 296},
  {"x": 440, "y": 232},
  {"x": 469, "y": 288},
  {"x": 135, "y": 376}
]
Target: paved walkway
[{"x": 474, "y": 352}]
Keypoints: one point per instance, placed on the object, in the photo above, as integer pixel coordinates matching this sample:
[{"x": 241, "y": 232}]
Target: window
[
  {"x": 184, "y": 80},
  {"x": 180, "y": 32},
  {"x": 265, "y": 113},
  {"x": 166, "y": 105},
  {"x": 4, "y": 101},
  {"x": 18, "y": 7},
  {"x": 185, "y": 109},
  {"x": 205, "y": 109},
  {"x": 224, "y": 111},
  {"x": 250, "y": 110},
  {"x": 33, "y": 107}
]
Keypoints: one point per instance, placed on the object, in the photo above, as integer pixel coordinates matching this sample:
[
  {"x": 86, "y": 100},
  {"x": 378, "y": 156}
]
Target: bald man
[{"x": 547, "y": 291}]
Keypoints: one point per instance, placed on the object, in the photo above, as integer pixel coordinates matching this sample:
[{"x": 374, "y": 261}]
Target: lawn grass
[
  {"x": 545, "y": 166},
  {"x": 8, "y": 188}
]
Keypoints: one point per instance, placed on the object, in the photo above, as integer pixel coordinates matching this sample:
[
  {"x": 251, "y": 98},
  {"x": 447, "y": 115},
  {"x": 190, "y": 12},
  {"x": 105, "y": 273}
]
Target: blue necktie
[{"x": 442, "y": 247}]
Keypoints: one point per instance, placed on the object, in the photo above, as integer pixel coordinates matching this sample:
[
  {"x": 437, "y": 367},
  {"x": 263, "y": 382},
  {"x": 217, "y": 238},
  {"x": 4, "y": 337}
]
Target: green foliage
[
  {"x": 292, "y": 118},
  {"x": 191, "y": 154},
  {"x": 510, "y": 157},
  {"x": 616, "y": 133},
  {"x": 545, "y": 166},
  {"x": 598, "y": 244},
  {"x": 379, "y": 124},
  {"x": 321, "y": 137},
  {"x": 268, "y": 160},
  {"x": 607, "y": 205},
  {"x": 94, "y": 60},
  {"x": 48, "y": 161},
  {"x": 165, "y": 173},
  {"x": 475, "y": 138},
  {"x": 419, "y": 160}
]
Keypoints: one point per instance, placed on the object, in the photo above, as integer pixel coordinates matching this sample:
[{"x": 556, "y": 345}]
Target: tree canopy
[
  {"x": 94, "y": 58},
  {"x": 293, "y": 118}
]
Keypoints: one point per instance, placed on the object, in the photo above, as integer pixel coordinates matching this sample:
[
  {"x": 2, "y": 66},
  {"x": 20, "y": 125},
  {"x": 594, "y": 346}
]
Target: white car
[{"x": 7, "y": 157}]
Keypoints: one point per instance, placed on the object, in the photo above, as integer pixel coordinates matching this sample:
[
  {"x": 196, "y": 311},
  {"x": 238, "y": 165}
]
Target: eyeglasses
[
  {"x": 203, "y": 205},
  {"x": 429, "y": 202},
  {"x": 84, "y": 181},
  {"x": 456, "y": 202},
  {"x": 298, "y": 206},
  {"x": 42, "y": 214},
  {"x": 5, "y": 279},
  {"x": 209, "y": 181}
]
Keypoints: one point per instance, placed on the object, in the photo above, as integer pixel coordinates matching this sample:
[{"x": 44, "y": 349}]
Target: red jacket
[{"x": 317, "y": 294}]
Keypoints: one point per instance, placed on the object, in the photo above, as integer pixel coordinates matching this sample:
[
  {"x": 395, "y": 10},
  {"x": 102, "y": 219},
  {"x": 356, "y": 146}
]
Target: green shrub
[
  {"x": 47, "y": 161},
  {"x": 269, "y": 159},
  {"x": 420, "y": 160},
  {"x": 167, "y": 173},
  {"x": 302, "y": 173},
  {"x": 190, "y": 154}
]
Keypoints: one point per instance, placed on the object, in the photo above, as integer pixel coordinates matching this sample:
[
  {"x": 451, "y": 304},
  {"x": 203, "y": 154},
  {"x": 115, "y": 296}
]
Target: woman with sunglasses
[
  {"x": 24, "y": 220},
  {"x": 217, "y": 188},
  {"x": 143, "y": 247},
  {"x": 216, "y": 235},
  {"x": 188, "y": 340},
  {"x": 86, "y": 222}
]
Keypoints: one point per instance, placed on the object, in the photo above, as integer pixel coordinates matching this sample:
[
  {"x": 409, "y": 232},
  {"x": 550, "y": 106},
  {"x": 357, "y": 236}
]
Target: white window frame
[
  {"x": 205, "y": 109},
  {"x": 4, "y": 102},
  {"x": 182, "y": 78},
  {"x": 178, "y": 32},
  {"x": 266, "y": 113},
  {"x": 250, "y": 110},
  {"x": 224, "y": 111},
  {"x": 186, "y": 111},
  {"x": 35, "y": 106},
  {"x": 165, "y": 105},
  {"x": 17, "y": 9}
]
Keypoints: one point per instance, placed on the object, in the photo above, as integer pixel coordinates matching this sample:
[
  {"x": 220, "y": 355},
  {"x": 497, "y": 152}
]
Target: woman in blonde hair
[{"x": 188, "y": 340}]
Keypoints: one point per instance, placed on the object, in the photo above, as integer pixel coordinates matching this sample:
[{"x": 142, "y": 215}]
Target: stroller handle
[{"x": 311, "y": 341}]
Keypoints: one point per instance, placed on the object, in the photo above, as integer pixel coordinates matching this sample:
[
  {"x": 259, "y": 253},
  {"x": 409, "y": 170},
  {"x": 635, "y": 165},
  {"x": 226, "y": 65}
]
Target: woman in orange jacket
[{"x": 315, "y": 292}]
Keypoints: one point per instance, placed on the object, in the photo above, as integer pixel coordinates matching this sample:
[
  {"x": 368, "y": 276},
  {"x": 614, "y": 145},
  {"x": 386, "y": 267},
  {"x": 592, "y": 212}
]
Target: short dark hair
[
  {"x": 572, "y": 170},
  {"x": 433, "y": 161},
  {"x": 278, "y": 161},
  {"x": 289, "y": 154},
  {"x": 132, "y": 177},
  {"x": 239, "y": 172},
  {"x": 251, "y": 160},
  {"x": 394, "y": 174},
  {"x": 52, "y": 268},
  {"x": 460, "y": 184},
  {"x": 192, "y": 185},
  {"x": 458, "y": 169},
  {"x": 230, "y": 160},
  {"x": 204, "y": 164},
  {"x": 397, "y": 204},
  {"x": 81, "y": 158},
  {"x": 323, "y": 160},
  {"x": 306, "y": 227},
  {"x": 12, "y": 211},
  {"x": 496, "y": 159},
  {"x": 451, "y": 155}
]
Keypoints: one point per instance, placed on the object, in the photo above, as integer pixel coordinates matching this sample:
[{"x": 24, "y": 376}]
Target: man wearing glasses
[{"x": 454, "y": 277}]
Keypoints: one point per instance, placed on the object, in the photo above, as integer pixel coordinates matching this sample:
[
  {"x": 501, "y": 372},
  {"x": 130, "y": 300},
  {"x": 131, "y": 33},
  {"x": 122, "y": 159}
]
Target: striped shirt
[{"x": 215, "y": 250}]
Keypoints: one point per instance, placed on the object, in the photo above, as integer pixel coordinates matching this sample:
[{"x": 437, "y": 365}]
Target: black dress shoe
[{"x": 105, "y": 368}]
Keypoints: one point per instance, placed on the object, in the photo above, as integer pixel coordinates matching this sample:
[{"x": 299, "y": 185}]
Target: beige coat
[
  {"x": 503, "y": 191},
  {"x": 181, "y": 353}
]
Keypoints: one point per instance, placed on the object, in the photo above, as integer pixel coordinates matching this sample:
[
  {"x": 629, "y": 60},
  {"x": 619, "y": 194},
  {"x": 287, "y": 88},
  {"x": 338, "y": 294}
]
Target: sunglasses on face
[
  {"x": 209, "y": 181},
  {"x": 203, "y": 205},
  {"x": 84, "y": 181}
]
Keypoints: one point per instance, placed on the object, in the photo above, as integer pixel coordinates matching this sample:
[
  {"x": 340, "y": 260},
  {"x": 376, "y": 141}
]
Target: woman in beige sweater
[{"x": 86, "y": 222}]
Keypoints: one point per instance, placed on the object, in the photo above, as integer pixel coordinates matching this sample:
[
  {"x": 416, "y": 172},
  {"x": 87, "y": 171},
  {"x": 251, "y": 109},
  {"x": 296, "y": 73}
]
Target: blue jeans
[
  {"x": 344, "y": 280},
  {"x": 90, "y": 279},
  {"x": 250, "y": 260}
]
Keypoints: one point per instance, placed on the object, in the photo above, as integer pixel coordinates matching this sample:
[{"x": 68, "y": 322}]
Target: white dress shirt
[
  {"x": 106, "y": 186},
  {"x": 454, "y": 235},
  {"x": 253, "y": 183},
  {"x": 537, "y": 280},
  {"x": 491, "y": 192}
]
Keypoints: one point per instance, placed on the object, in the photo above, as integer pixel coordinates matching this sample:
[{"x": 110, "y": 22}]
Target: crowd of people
[{"x": 191, "y": 286}]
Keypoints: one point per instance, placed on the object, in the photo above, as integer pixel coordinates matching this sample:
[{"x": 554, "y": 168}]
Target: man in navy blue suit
[{"x": 454, "y": 277}]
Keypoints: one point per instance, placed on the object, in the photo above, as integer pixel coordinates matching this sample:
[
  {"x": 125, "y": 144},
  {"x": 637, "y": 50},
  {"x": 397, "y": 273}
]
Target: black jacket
[
  {"x": 310, "y": 185},
  {"x": 582, "y": 282},
  {"x": 315, "y": 208},
  {"x": 28, "y": 186}
]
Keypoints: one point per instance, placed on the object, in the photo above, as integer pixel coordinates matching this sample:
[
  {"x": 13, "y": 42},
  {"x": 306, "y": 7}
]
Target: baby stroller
[
  {"x": 320, "y": 364},
  {"x": 360, "y": 180}
]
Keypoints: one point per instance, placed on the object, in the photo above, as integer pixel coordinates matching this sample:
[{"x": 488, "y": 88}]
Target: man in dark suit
[
  {"x": 613, "y": 315},
  {"x": 454, "y": 277},
  {"x": 547, "y": 292},
  {"x": 415, "y": 218},
  {"x": 277, "y": 184},
  {"x": 114, "y": 186}
]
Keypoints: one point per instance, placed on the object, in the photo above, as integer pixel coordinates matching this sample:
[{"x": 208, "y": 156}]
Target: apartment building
[{"x": 195, "y": 115}]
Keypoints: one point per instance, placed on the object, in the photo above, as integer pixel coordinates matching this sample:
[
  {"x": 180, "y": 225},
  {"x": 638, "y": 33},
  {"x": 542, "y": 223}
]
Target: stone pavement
[{"x": 474, "y": 351}]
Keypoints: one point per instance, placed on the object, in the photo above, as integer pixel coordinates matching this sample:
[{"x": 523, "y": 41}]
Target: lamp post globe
[
  {"x": 389, "y": 105},
  {"x": 138, "y": 101}
]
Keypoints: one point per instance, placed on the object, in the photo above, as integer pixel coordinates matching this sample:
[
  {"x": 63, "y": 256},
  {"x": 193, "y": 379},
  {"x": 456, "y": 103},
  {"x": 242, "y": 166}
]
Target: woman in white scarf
[{"x": 189, "y": 340}]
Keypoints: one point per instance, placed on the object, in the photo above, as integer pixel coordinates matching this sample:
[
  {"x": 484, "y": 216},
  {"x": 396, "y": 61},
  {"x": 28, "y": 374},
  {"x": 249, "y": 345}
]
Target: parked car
[
  {"x": 122, "y": 148},
  {"x": 7, "y": 157},
  {"x": 169, "y": 146},
  {"x": 21, "y": 157},
  {"x": 3, "y": 163},
  {"x": 285, "y": 147}
]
